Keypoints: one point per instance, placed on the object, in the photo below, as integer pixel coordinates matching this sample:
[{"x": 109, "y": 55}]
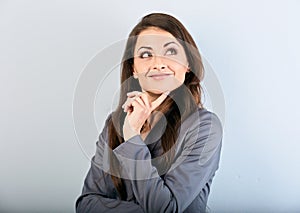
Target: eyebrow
[
  {"x": 150, "y": 48},
  {"x": 172, "y": 42}
]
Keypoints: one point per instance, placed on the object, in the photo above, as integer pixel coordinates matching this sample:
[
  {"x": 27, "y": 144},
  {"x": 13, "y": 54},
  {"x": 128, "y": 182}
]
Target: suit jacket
[{"x": 150, "y": 187}]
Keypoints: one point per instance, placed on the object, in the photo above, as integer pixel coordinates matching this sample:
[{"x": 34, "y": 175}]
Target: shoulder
[
  {"x": 204, "y": 123},
  {"x": 207, "y": 117},
  {"x": 104, "y": 133},
  {"x": 108, "y": 119}
]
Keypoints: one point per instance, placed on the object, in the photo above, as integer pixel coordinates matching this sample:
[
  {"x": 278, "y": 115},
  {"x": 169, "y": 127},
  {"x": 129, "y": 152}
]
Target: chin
[{"x": 156, "y": 91}]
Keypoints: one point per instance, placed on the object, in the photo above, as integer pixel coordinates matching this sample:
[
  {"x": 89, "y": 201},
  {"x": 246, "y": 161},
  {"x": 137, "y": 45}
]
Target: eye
[
  {"x": 145, "y": 54},
  {"x": 171, "y": 51}
]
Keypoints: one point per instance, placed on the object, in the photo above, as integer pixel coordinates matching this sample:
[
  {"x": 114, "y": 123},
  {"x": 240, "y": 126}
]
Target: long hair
[{"x": 180, "y": 103}]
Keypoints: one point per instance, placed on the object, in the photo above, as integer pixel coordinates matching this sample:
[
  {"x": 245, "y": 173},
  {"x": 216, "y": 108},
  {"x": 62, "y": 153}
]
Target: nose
[{"x": 158, "y": 63}]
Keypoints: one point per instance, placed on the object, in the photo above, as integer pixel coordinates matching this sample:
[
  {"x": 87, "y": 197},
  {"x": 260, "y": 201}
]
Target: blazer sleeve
[
  {"x": 98, "y": 195},
  {"x": 195, "y": 166}
]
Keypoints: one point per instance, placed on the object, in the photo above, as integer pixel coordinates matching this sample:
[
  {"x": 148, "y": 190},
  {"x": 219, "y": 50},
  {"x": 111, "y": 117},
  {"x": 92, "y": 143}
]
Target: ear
[
  {"x": 134, "y": 73},
  {"x": 188, "y": 68}
]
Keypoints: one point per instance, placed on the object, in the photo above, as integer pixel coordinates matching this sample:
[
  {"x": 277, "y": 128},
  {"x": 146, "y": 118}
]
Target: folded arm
[
  {"x": 99, "y": 194},
  {"x": 189, "y": 174}
]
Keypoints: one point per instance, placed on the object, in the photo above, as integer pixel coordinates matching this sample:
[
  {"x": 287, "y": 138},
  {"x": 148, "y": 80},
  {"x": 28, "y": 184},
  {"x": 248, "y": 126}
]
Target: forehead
[{"x": 154, "y": 36}]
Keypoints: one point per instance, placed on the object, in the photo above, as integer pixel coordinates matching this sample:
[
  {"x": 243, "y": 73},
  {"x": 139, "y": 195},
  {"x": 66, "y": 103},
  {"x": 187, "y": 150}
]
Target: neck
[
  {"x": 152, "y": 96},
  {"x": 155, "y": 115}
]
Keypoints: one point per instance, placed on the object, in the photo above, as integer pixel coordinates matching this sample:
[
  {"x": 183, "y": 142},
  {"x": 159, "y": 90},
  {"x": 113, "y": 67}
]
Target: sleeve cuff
[
  {"x": 135, "y": 158},
  {"x": 134, "y": 148}
]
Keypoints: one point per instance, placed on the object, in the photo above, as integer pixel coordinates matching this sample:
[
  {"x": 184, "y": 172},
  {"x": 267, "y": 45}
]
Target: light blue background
[{"x": 252, "y": 46}]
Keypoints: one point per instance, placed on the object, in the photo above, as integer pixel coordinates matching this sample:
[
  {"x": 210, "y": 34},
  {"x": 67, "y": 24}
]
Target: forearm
[
  {"x": 96, "y": 203},
  {"x": 149, "y": 188},
  {"x": 190, "y": 172}
]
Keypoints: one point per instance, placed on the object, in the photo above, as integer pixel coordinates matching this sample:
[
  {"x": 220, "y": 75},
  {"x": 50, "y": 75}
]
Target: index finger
[
  {"x": 159, "y": 100},
  {"x": 133, "y": 93}
]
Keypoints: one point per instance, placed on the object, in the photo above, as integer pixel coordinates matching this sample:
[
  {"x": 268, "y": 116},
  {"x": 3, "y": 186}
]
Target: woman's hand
[
  {"x": 130, "y": 98},
  {"x": 138, "y": 108}
]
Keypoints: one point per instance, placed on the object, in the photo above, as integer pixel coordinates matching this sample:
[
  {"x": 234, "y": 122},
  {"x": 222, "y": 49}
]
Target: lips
[{"x": 160, "y": 76}]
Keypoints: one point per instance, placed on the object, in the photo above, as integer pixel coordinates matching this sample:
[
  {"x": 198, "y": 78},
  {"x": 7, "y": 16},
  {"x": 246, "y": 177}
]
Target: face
[{"x": 160, "y": 62}]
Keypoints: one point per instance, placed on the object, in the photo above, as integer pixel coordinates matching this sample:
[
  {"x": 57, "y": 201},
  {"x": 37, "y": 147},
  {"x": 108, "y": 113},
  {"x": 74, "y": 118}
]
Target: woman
[{"x": 160, "y": 149}]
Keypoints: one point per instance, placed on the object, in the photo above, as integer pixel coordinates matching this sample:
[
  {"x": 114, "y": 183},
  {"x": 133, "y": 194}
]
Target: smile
[{"x": 160, "y": 76}]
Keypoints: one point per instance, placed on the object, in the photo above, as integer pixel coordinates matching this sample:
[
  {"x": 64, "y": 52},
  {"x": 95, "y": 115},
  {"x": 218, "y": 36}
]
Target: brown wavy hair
[{"x": 180, "y": 103}]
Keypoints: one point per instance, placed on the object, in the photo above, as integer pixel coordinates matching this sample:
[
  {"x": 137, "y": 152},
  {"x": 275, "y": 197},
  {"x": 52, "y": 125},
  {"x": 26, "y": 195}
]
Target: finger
[
  {"x": 128, "y": 105},
  {"x": 128, "y": 102},
  {"x": 127, "y": 108},
  {"x": 145, "y": 99},
  {"x": 136, "y": 104},
  {"x": 140, "y": 101},
  {"x": 159, "y": 100},
  {"x": 133, "y": 93}
]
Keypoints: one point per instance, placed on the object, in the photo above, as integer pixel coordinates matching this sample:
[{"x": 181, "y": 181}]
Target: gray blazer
[{"x": 150, "y": 187}]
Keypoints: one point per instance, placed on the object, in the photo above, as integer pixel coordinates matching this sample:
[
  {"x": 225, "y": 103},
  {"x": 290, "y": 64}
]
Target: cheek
[
  {"x": 180, "y": 59},
  {"x": 177, "y": 63},
  {"x": 180, "y": 77},
  {"x": 179, "y": 71},
  {"x": 141, "y": 65},
  {"x": 142, "y": 79}
]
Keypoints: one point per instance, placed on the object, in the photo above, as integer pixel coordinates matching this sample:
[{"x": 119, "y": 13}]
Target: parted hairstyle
[{"x": 180, "y": 103}]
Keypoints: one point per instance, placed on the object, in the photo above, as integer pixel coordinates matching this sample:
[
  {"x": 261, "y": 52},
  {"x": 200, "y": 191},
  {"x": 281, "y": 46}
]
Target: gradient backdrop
[{"x": 251, "y": 45}]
